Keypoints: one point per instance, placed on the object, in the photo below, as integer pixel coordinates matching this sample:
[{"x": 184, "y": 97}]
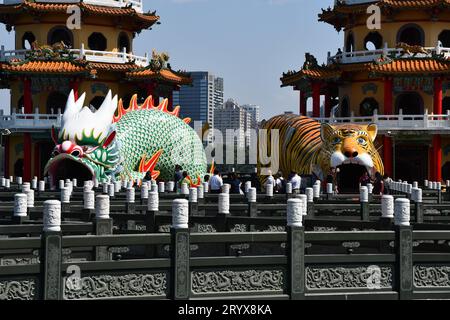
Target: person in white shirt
[
  {"x": 296, "y": 182},
  {"x": 215, "y": 182},
  {"x": 270, "y": 179}
]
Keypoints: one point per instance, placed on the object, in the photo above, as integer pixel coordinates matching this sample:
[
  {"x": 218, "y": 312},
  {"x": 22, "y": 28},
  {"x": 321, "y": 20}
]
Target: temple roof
[
  {"x": 392, "y": 67},
  {"x": 130, "y": 71},
  {"x": 7, "y": 12},
  {"x": 54, "y": 67},
  {"x": 164, "y": 74},
  {"x": 341, "y": 11}
]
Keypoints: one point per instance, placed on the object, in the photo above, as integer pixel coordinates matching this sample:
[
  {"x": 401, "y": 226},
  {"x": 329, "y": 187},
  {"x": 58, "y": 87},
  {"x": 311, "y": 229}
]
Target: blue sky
[{"x": 249, "y": 43}]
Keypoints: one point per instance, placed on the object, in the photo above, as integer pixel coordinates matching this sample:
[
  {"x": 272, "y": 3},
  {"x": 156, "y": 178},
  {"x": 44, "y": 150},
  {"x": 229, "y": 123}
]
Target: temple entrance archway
[
  {"x": 410, "y": 103},
  {"x": 411, "y": 162}
]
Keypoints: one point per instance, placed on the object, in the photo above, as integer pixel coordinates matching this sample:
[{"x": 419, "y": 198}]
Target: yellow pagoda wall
[
  {"x": 99, "y": 24},
  {"x": 389, "y": 29}
]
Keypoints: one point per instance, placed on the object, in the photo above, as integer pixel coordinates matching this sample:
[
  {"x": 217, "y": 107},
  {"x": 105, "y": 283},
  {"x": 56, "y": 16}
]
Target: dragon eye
[
  {"x": 361, "y": 141},
  {"x": 76, "y": 153}
]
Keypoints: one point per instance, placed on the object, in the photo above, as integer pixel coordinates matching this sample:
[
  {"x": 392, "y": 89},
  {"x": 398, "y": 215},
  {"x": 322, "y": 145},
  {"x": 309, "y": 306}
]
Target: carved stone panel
[
  {"x": 432, "y": 276},
  {"x": 106, "y": 286},
  {"x": 226, "y": 281},
  {"x": 18, "y": 289},
  {"x": 346, "y": 277}
]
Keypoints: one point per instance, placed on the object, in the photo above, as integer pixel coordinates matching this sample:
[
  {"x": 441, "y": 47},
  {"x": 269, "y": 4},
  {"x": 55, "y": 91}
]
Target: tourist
[
  {"x": 280, "y": 183},
  {"x": 295, "y": 181},
  {"x": 184, "y": 179},
  {"x": 206, "y": 178},
  {"x": 270, "y": 179},
  {"x": 378, "y": 184},
  {"x": 387, "y": 183},
  {"x": 364, "y": 180},
  {"x": 216, "y": 182},
  {"x": 235, "y": 184},
  {"x": 178, "y": 174}
]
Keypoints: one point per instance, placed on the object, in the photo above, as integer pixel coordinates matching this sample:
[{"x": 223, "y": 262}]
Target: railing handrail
[
  {"x": 89, "y": 55},
  {"x": 398, "y": 121},
  {"x": 377, "y": 53}
]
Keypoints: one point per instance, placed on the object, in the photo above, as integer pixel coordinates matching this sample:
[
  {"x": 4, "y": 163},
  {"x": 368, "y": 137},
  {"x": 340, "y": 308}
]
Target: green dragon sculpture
[{"x": 125, "y": 146}]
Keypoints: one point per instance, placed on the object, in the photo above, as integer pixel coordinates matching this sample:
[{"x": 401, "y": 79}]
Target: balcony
[
  {"x": 137, "y": 5},
  {"x": 30, "y": 122},
  {"x": 373, "y": 55},
  {"x": 401, "y": 122},
  {"x": 19, "y": 122},
  {"x": 90, "y": 55}
]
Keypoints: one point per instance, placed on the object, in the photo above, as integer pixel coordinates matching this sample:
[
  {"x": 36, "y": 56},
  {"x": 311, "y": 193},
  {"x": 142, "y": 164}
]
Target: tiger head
[{"x": 351, "y": 145}]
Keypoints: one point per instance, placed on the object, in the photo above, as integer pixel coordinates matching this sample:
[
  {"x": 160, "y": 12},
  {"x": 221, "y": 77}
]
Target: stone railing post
[
  {"x": 131, "y": 205},
  {"x": 364, "y": 203},
  {"x": 416, "y": 197},
  {"x": 193, "y": 202},
  {"x": 296, "y": 249},
  {"x": 180, "y": 253},
  {"x": 20, "y": 208},
  {"x": 310, "y": 198},
  {"x": 404, "y": 249},
  {"x": 103, "y": 226},
  {"x": 387, "y": 211},
  {"x": 51, "y": 258}
]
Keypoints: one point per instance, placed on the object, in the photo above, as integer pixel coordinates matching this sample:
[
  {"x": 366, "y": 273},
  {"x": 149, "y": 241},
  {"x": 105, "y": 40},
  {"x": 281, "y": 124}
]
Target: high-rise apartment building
[
  {"x": 255, "y": 115},
  {"x": 199, "y": 100}
]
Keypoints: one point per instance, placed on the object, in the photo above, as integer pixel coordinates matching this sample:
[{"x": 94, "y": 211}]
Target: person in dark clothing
[
  {"x": 364, "y": 180},
  {"x": 178, "y": 176},
  {"x": 378, "y": 184},
  {"x": 235, "y": 184}
]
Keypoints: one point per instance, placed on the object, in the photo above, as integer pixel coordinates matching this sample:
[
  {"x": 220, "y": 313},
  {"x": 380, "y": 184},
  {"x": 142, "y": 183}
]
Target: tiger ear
[
  {"x": 372, "y": 130},
  {"x": 326, "y": 132}
]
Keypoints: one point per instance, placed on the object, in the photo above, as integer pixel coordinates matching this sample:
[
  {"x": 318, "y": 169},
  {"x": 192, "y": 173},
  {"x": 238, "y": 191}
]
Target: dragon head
[{"x": 86, "y": 147}]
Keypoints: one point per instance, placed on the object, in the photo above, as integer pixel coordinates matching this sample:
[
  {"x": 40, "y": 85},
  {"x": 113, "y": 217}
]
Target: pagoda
[
  {"x": 396, "y": 76},
  {"x": 51, "y": 57}
]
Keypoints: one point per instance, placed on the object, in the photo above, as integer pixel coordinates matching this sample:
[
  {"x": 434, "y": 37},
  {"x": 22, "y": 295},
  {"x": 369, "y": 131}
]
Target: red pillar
[
  {"x": 28, "y": 106},
  {"x": 431, "y": 163},
  {"x": 26, "y": 157},
  {"x": 27, "y": 96},
  {"x": 437, "y": 109},
  {"x": 437, "y": 158},
  {"x": 303, "y": 103},
  {"x": 388, "y": 95},
  {"x": 151, "y": 92},
  {"x": 327, "y": 103},
  {"x": 316, "y": 99},
  {"x": 37, "y": 162},
  {"x": 170, "y": 98},
  {"x": 74, "y": 85},
  {"x": 387, "y": 156}
]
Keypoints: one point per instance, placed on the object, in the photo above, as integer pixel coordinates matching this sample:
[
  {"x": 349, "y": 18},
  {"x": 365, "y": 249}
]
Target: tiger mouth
[{"x": 349, "y": 177}]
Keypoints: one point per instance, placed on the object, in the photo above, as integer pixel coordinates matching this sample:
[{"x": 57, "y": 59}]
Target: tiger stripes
[{"x": 302, "y": 150}]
